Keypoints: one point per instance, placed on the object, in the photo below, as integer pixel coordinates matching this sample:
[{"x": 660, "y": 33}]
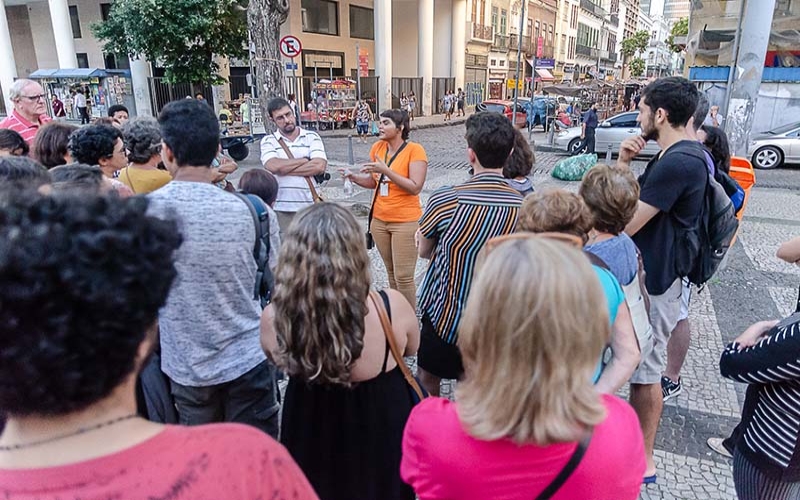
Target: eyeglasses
[
  {"x": 569, "y": 239},
  {"x": 34, "y": 98}
]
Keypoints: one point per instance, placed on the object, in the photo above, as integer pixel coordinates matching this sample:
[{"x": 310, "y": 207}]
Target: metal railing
[
  {"x": 482, "y": 33},
  {"x": 500, "y": 42},
  {"x": 585, "y": 50},
  {"x": 609, "y": 56},
  {"x": 514, "y": 42},
  {"x": 593, "y": 8}
]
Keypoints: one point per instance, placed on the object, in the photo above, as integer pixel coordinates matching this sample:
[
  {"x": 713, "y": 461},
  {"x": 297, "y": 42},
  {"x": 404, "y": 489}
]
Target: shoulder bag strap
[
  {"x": 396, "y": 354},
  {"x": 314, "y": 195},
  {"x": 568, "y": 469},
  {"x": 257, "y": 247},
  {"x": 380, "y": 180}
]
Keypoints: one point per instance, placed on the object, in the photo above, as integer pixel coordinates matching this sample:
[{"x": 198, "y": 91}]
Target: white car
[
  {"x": 774, "y": 148},
  {"x": 609, "y": 132}
]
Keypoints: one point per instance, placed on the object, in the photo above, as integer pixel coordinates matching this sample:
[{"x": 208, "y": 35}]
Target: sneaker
[
  {"x": 716, "y": 445},
  {"x": 670, "y": 389}
]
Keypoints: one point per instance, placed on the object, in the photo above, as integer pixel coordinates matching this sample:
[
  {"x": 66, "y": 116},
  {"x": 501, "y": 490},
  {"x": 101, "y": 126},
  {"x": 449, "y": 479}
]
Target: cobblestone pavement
[{"x": 754, "y": 286}]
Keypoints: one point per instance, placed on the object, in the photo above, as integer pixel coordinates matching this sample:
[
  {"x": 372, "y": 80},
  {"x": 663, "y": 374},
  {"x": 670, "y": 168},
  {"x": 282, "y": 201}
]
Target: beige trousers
[{"x": 395, "y": 242}]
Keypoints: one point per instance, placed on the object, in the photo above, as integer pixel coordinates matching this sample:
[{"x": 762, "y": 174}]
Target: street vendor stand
[
  {"x": 332, "y": 105},
  {"x": 106, "y": 88},
  {"x": 244, "y": 128}
]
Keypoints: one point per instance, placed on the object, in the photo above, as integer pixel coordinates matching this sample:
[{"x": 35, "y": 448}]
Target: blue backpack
[{"x": 265, "y": 281}]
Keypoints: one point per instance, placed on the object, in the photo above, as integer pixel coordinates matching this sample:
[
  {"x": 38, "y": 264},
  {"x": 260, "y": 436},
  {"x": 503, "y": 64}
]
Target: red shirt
[
  {"x": 442, "y": 461},
  {"x": 23, "y": 127},
  {"x": 210, "y": 462}
]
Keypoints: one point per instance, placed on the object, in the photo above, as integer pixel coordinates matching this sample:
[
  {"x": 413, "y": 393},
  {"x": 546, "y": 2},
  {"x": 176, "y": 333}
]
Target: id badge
[{"x": 384, "y": 189}]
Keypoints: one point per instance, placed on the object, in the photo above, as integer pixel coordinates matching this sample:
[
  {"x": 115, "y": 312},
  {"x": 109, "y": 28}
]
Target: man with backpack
[{"x": 671, "y": 202}]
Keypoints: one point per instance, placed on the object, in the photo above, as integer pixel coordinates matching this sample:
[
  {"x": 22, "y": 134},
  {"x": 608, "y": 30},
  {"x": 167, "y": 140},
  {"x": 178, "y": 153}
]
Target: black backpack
[
  {"x": 265, "y": 281},
  {"x": 700, "y": 250}
]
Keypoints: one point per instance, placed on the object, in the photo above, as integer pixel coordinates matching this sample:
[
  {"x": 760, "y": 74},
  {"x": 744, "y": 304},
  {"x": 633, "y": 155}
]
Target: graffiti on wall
[{"x": 474, "y": 92}]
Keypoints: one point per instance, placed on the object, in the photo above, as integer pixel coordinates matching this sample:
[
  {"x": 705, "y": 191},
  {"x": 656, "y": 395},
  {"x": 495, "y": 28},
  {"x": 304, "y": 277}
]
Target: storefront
[{"x": 105, "y": 88}]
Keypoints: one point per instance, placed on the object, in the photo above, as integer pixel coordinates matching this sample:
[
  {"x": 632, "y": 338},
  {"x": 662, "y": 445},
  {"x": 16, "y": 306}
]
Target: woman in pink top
[
  {"x": 534, "y": 322},
  {"x": 82, "y": 282}
]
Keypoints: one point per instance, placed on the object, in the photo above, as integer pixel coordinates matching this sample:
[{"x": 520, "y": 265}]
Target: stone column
[
  {"x": 62, "y": 32},
  {"x": 140, "y": 72},
  {"x": 458, "y": 46},
  {"x": 755, "y": 26},
  {"x": 425, "y": 56},
  {"x": 8, "y": 66},
  {"x": 383, "y": 52},
  {"x": 222, "y": 92}
]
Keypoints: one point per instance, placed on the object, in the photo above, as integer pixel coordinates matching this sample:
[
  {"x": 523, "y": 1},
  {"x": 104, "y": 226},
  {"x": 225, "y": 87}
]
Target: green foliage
[
  {"x": 635, "y": 44},
  {"x": 183, "y": 36},
  {"x": 637, "y": 66},
  {"x": 680, "y": 28}
]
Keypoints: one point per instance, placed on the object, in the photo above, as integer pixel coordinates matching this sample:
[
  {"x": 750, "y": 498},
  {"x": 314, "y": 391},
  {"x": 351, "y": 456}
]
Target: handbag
[
  {"x": 314, "y": 195},
  {"x": 415, "y": 390},
  {"x": 374, "y": 128},
  {"x": 370, "y": 240},
  {"x": 568, "y": 469}
]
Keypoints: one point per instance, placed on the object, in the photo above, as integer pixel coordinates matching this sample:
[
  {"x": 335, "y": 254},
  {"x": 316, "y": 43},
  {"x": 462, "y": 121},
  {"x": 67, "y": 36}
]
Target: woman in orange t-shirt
[{"x": 396, "y": 174}]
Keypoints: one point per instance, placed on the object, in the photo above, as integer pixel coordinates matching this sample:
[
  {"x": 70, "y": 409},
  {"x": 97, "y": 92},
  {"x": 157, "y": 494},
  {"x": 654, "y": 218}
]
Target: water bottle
[{"x": 348, "y": 187}]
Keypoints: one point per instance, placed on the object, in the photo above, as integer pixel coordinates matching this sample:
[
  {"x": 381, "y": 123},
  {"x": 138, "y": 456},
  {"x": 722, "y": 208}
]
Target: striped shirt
[
  {"x": 461, "y": 219},
  {"x": 23, "y": 127},
  {"x": 773, "y": 365},
  {"x": 293, "y": 191}
]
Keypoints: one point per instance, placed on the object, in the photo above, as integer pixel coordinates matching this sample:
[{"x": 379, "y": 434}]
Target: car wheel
[
  {"x": 572, "y": 148},
  {"x": 238, "y": 151},
  {"x": 768, "y": 157}
]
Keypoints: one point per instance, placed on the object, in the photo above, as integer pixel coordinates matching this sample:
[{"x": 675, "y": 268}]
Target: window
[
  {"x": 75, "y": 21},
  {"x": 105, "y": 11},
  {"x": 571, "y": 54},
  {"x": 320, "y": 16},
  {"x": 362, "y": 23},
  {"x": 495, "y": 19},
  {"x": 574, "y": 20},
  {"x": 565, "y": 15},
  {"x": 626, "y": 120},
  {"x": 535, "y": 29},
  {"x": 502, "y": 62},
  {"x": 83, "y": 59},
  {"x": 550, "y": 35},
  {"x": 530, "y": 27},
  {"x": 492, "y": 62},
  {"x": 503, "y": 21},
  {"x": 116, "y": 61},
  {"x": 563, "y": 45},
  {"x": 587, "y": 36}
]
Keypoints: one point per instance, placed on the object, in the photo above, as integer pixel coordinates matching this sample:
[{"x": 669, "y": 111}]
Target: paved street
[{"x": 755, "y": 286}]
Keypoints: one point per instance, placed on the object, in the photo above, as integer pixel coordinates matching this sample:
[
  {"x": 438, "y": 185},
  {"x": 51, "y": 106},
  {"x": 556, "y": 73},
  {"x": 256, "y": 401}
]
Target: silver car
[
  {"x": 774, "y": 148},
  {"x": 609, "y": 132}
]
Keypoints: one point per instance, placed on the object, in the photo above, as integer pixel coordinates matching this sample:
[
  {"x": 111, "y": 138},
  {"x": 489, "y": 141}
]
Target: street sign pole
[
  {"x": 358, "y": 73},
  {"x": 519, "y": 56}
]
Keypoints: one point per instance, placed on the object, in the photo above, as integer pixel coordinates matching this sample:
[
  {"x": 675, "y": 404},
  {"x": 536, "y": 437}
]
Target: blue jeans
[{"x": 362, "y": 128}]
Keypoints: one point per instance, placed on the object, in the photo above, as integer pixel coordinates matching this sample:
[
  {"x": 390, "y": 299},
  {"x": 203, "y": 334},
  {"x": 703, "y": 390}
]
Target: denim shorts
[{"x": 362, "y": 128}]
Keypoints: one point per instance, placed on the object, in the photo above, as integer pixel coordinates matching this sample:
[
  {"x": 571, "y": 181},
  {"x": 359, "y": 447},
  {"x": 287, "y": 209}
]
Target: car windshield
[{"x": 784, "y": 129}]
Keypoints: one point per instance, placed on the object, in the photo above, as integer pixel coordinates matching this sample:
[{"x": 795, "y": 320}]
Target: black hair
[
  {"x": 491, "y": 137},
  {"x": 191, "y": 130},
  {"x": 117, "y": 107},
  {"x": 400, "y": 119},
  {"x": 12, "y": 141},
  {"x": 90, "y": 144},
  {"x": 700, "y": 111},
  {"x": 20, "y": 173},
  {"x": 520, "y": 162},
  {"x": 51, "y": 143},
  {"x": 717, "y": 143},
  {"x": 261, "y": 183},
  {"x": 77, "y": 177},
  {"x": 81, "y": 283},
  {"x": 275, "y": 104},
  {"x": 675, "y": 95}
]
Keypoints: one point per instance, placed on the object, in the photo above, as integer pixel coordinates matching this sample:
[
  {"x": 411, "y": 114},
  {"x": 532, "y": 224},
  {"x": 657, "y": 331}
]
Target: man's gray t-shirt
[{"x": 210, "y": 323}]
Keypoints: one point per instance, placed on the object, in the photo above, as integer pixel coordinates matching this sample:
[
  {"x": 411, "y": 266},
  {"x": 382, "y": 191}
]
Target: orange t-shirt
[{"x": 400, "y": 205}]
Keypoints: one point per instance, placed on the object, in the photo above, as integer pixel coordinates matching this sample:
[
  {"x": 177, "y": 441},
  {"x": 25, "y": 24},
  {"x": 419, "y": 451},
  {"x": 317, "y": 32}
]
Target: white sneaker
[{"x": 716, "y": 445}]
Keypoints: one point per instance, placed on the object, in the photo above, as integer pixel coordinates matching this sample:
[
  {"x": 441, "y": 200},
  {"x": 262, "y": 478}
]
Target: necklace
[
  {"x": 82, "y": 430},
  {"x": 599, "y": 236}
]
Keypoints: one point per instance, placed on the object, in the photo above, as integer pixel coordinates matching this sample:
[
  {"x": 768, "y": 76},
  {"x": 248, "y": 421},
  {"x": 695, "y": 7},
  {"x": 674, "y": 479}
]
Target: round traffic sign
[{"x": 290, "y": 46}]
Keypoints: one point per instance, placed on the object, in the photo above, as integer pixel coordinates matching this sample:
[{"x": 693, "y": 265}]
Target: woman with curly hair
[
  {"x": 75, "y": 329},
  {"x": 142, "y": 138},
  {"x": 346, "y": 397}
]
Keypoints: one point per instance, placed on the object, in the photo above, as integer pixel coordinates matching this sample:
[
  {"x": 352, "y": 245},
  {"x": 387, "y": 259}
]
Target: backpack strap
[{"x": 259, "y": 238}]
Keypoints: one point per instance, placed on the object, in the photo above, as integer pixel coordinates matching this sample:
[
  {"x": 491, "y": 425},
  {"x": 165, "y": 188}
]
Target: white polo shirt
[{"x": 293, "y": 191}]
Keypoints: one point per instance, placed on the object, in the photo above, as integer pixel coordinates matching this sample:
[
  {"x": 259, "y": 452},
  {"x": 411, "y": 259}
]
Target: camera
[{"x": 320, "y": 178}]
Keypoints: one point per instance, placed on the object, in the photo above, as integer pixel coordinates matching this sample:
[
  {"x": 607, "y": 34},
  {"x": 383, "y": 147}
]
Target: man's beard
[
  {"x": 651, "y": 134},
  {"x": 289, "y": 128}
]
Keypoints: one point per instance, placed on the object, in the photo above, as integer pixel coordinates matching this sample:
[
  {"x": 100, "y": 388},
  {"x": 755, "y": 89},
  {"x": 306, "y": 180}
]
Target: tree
[
  {"x": 633, "y": 46},
  {"x": 679, "y": 29},
  {"x": 637, "y": 66},
  {"x": 264, "y": 18},
  {"x": 183, "y": 36}
]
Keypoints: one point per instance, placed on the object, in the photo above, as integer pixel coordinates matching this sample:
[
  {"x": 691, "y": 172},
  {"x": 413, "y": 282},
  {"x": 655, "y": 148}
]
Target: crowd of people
[{"x": 136, "y": 360}]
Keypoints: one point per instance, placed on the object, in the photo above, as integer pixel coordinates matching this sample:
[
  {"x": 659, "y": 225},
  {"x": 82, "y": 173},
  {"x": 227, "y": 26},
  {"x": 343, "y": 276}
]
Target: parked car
[
  {"x": 773, "y": 148},
  {"x": 504, "y": 107},
  {"x": 609, "y": 132}
]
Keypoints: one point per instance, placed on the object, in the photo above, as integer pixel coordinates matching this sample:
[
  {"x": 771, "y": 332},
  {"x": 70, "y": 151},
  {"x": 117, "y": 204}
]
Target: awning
[
  {"x": 544, "y": 74},
  {"x": 68, "y": 73}
]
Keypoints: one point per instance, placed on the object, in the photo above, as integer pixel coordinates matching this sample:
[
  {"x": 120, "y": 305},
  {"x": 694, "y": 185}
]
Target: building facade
[{"x": 676, "y": 9}]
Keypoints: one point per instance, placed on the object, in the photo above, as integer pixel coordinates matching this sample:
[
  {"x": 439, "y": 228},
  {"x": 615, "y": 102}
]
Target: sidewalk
[{"x": 420, "y": 122}]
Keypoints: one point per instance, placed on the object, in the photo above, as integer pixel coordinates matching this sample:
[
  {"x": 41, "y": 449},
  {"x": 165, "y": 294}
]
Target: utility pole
[{"x": 519, "y": 57}]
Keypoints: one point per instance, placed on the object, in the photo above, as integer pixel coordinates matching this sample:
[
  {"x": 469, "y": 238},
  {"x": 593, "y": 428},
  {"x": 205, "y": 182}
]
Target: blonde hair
[
  {"x": 557, "y": 211},
  {"x": 533, "y": 329},
  {"x": 611, "y": 195},
  {"x": 321, "y": 288}
]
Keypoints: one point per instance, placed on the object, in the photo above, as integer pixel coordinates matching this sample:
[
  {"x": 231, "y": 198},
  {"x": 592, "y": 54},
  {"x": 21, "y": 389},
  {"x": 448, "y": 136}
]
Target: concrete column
[
  {"x": 8, "y": 66},
  {"x": 222, "y": 93},
  {"x": 62, "y": 32},
  {"x": 458, "y": 47},
  {"x": 755, "y": 26},
  {"x": 383, "y": 52},
  {"x": 140, "y": 72},
  {"x": 425, "y": 55}
]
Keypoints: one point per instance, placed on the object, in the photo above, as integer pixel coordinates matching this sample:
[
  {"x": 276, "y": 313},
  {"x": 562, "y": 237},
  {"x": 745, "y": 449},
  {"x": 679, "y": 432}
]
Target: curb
[{"x": 344, "y": 133}]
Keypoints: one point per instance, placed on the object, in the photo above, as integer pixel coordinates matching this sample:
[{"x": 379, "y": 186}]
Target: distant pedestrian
[
  {"x": 58, "y": 108},
  {"x": 404, "y": 102},
  {"x": 412, "y": 105},
  {"x": 714, "y": 119},
  {"x": 83, "y": 106},
  {"x": 588, "y": 128},
  {"x": 448, "y": 103},
  {"x": 362, "y": 114},
  {"x": 460, "y": 97}
]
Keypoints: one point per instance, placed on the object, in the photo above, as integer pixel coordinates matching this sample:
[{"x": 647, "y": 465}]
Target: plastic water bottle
[{"x": 348, "y": 187}]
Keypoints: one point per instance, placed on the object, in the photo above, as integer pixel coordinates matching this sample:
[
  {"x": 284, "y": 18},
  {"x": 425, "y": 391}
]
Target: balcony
[
  {"x": 479, "y": 33},
  {"x": 608, "y": 56},
  {"x": 500, "y": 42},
  {"x": 514, "y": 42},
  {"x": 593, "y": 8},
  {"x": 548, "y": 52},
  {"x": 614, "y": 20},
  {"x": 583, "y": 50}
]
